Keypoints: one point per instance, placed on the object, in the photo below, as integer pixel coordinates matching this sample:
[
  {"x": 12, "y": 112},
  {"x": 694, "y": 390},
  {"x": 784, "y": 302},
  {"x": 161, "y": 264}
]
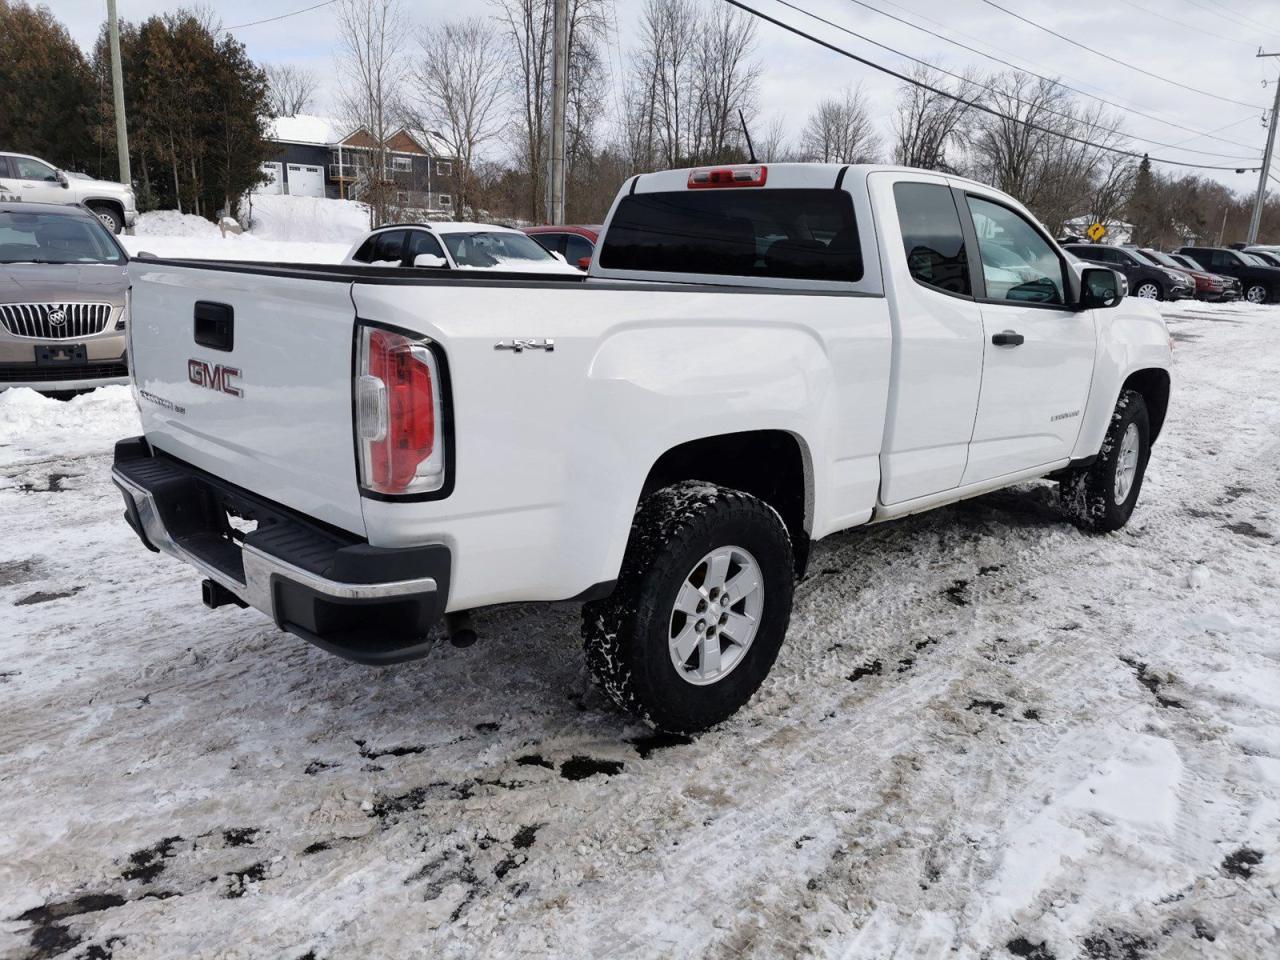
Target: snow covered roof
[
  {"x": 432, "y": 141},
  {"x": 305, "y": 128}
]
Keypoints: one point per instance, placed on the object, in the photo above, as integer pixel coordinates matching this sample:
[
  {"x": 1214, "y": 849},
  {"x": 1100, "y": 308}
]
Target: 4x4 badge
[{"x": 519, "y": 346}]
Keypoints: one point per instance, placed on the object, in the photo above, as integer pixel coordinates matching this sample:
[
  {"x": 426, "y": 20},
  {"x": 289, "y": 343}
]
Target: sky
[{"x": 1208, "y": 46}]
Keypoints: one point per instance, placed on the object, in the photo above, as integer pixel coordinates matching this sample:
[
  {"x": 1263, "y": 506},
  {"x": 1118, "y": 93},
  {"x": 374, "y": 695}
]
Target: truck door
[
  {"x": 1039, "y": 351},
  {"x": 937, "y": 336}
]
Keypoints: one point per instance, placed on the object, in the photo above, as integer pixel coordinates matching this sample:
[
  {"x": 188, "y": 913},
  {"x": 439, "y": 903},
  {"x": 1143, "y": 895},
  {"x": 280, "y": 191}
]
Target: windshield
[
  {"x": 1254, "y": 260},
  {"x": 1145, "y": 256},
  {"x": 494, "y": 249},
  {"x": 55, "y": 238},
  {"x": 1183, "y": 260},
  {"x": 1164, "y": 259}
]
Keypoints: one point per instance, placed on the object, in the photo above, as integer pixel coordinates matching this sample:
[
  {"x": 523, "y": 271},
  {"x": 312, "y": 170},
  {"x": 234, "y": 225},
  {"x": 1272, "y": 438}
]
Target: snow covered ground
[
  {"x": 988, "y": 736},
  {"x": 284, "y": 229}
]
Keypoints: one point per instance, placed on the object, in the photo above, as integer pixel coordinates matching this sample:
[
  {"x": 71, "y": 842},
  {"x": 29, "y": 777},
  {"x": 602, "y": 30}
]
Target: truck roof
[{"x": 783, "y": 175}]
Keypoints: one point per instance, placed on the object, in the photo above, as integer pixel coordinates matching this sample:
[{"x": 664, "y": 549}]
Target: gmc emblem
[{"x": 217, "y": 377}]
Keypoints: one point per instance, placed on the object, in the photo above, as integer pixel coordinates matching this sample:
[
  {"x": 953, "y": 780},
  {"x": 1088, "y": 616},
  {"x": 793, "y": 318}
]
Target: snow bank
[
  {"x": 171, "y": 223},
  {"x": 308, "y": 218},
  {"x": 91, "y": 423}
]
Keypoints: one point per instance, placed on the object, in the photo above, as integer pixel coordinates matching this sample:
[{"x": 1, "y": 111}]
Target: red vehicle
[
  {"x": 575, "y": 243},
  {"x": 1209, "y": 286}
]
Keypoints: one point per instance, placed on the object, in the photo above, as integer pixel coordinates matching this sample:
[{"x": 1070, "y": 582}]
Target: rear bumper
[{"x": 368, "y": 604}]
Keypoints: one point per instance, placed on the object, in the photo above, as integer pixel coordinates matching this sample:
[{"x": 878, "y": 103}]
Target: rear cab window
[
  {"x": 932, "y": 238},
  {"x": 782, "y": 234}
]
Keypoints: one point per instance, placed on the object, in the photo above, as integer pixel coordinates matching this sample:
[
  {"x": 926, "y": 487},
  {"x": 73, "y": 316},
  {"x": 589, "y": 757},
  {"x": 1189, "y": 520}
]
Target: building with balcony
[{"x": 318, "y": 157}]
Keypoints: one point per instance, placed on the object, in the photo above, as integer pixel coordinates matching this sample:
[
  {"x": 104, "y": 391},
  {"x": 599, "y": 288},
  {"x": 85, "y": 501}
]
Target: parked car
[
  {"x": 575, "y": 243},
  {"x": 809, "y": 347},
  {"x": 1209, "y": 286},
  {"x": 64, "y": 299},
  {"x": 1147, "y": 280},
  {"x": 32, "y": 180},
  {"x": 455, "y": 246},
  {"x": 1267, "y": 258},
  {"x": 1261, "y": 283},
  {"x": 1235, "y": 291}
]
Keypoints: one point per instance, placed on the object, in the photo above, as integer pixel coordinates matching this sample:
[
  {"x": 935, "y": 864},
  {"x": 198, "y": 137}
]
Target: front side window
[
  {"x": 932, "y": 238},
  {"x": 493, "y": 250},
  {"x": 785, "y": 234},
  {"x": 29, "y": 169},
  {"x": 421, "y": 242},
  {"x": 55, "y": 238},
  {"x": 577, "y": 247},
  {"x": 1033, "y": 271}
]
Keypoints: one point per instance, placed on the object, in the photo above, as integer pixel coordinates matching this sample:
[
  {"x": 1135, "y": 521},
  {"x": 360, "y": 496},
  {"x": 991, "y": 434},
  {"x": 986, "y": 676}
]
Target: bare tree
[
  {"x": 371, "y": 66},
  {"x": 840, "y": 131},
  {"x": 1013, "y": 143},
  {"x": 726, "y": 81},
  {"x": 772, "y": 144},
  {"x": 291, "y": 90},
  {"x": 458, "y": 88},
  {"x": 926, "y": 124}
]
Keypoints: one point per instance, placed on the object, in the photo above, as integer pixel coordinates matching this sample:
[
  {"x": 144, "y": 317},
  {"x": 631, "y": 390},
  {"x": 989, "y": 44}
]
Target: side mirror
[
  {"x": 1100, "y": 288},
  {"x": 429, "y": 260},
  {"x": 584, "y": 263},
  {"x": 559, "y": 256},
  {"x": 145, "y": 255},
  {"x": 62, "y": 179}
]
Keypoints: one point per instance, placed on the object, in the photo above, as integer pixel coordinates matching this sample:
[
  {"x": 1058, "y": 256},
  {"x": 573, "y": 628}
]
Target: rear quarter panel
[{"x": 552, "y": 448}]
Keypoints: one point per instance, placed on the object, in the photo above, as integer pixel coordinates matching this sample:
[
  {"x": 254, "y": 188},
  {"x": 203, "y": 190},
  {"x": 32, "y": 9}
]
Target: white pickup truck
[{"x": 757, "y": 358}]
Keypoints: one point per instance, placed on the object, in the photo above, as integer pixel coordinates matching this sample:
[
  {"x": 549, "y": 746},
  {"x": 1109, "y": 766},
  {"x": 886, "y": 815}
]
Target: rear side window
[
  {"x": 932, "y": 237},
  {"x": 384, "y": 247},
  {"x": 781, "y": 234}
]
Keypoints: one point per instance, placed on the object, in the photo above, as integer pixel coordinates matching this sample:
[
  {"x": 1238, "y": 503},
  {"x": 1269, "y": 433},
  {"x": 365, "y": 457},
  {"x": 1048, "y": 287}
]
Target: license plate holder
[{"x": 61, "y": 354}]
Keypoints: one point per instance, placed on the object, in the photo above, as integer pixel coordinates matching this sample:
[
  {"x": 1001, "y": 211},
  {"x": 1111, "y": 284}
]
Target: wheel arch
[
  {"x": 1155, "y": 385},
  {"x": 773, "y": 465},
  {"x": 116, "y": 206}
]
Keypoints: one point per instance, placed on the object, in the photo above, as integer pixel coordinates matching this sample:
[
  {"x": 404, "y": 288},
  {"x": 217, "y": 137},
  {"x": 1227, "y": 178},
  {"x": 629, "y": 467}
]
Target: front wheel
[
  {"x": 1256, "y": 293},
  {"x": 1149, "y": 290},
  {"x": 700, "y": 608},
  {"x": 110, "y": 219},
  {"x": 1101, "y": 496}
]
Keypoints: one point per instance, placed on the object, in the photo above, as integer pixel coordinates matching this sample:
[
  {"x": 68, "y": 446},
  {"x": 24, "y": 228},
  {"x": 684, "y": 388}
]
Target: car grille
[
  {"x": 55, "y": 321},
  {"x": 31, "y": 373}
]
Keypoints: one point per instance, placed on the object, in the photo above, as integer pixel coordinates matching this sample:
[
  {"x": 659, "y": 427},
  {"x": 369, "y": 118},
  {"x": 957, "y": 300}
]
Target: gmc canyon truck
[{"x": 758, "y": 357}]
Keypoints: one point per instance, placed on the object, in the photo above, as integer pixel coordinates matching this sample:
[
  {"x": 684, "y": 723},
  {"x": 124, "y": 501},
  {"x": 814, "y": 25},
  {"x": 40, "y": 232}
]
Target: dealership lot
[{"x": 975, "y": 710}]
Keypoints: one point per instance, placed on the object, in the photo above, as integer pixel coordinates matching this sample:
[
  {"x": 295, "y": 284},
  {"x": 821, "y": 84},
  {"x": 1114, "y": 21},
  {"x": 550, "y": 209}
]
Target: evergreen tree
[{"x": 46, "y": 88}]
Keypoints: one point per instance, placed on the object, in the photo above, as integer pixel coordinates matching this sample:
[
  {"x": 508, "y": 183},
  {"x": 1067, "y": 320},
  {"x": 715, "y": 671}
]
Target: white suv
[{"x": 32, "y": 180}]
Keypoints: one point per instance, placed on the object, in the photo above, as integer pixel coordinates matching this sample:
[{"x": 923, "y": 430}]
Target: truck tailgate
[{"x": 248, "y": 376}]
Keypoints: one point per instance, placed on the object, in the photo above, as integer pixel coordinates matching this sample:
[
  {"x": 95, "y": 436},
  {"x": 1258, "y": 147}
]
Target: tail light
[
  {"x": 711, "y": 177},
  {"x": 399, "y": 414}
]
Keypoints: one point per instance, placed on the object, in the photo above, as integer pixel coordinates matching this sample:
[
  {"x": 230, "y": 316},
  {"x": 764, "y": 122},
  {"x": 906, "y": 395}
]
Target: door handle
[
  {"x": 215, "y": 325},
  {"x": 1007, "y": 338}
]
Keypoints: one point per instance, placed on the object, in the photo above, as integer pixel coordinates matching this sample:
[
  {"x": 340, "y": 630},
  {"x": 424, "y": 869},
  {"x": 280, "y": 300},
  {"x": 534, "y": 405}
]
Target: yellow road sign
[{"x": 1096, "y": 232}]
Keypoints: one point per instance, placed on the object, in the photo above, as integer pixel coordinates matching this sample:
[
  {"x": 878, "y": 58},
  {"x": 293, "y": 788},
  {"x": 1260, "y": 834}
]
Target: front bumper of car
[
  {"x": 369, "y": 604},
  {"x": 75, "y": 363}
]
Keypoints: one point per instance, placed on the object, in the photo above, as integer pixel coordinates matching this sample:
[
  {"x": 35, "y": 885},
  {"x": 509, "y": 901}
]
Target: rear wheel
[
  {"x": 1102, "y": 496},
  {"x": 110, "y": 218},
  {"x": 1256, "y": 293},
  {"x": 1149, "y": 290},
  {"x": 700, "y": 609}
]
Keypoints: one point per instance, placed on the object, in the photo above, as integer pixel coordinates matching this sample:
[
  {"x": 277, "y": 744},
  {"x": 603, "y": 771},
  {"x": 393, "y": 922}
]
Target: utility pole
[
  {"x": 559, "y": 100},
  {"x": 1256, "y": 222},
  {"x": 117, "y": 87}
]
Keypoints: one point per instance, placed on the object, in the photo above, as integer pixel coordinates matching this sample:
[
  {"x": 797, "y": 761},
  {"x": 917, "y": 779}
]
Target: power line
[
  {"x": 987, "y": 87},
  {"x": 1225, "y": 126},
  {"x": 1066, "y": 86},
  {"x": 283, "y": 16},
  {"x": 1187, "y": 26},
  {"x": 1107, "y": 56},
  {"x": 1238, "y": 18},
  {"x": 973, "y": 104}
]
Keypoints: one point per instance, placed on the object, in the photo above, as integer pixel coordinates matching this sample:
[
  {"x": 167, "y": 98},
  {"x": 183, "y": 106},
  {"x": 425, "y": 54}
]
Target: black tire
[
  {"x": 109, "y": 216},
  {"x": 1088, "y": 494},
  {"x": 1257, "y": 293},
  {"x": 626, "y": 636}
]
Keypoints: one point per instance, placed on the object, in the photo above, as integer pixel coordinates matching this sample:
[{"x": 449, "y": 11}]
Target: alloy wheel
[{"x": 716, "y": 615}]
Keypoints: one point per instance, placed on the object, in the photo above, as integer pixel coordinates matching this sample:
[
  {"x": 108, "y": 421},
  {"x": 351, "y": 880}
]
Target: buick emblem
[{"x": 58, "y": 317}]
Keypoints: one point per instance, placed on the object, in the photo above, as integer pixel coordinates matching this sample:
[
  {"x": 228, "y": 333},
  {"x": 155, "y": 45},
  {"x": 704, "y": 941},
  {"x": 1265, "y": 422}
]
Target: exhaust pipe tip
[
  {"x": 460, "y": 628},
  {"x": 215, "y": 595}
]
